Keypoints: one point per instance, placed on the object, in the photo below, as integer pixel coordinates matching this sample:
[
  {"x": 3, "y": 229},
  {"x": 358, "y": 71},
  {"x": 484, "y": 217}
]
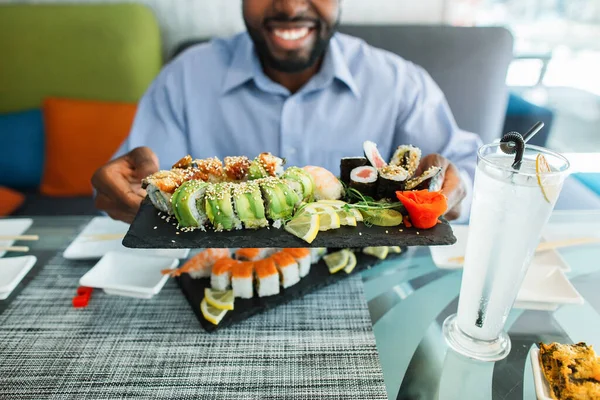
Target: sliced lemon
[
  {"x": 334, "y": 203},
  {"x": 351, "y": 262},
  {"x": 336, "y": 261},
  {"x": 357, "y": 214},
  {"x": 383, "y": 217},
  {"x": 346, "y": 218},
  {"x": 328, "y": 217},
  {"x": 304, "y": 225},
  {"x": 395, "y": 249},
  {"x": 210, "y": 313},
  {"x": 223, "y": 300},
  {"x": 541, "y": 167},
  {"x": 380, "y": 252}
]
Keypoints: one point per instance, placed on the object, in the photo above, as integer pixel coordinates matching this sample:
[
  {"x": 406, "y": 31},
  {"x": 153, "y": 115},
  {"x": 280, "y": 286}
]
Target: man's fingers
[
  {"x": 144, "y": 161},
  {"x": 453, "y": 187}
]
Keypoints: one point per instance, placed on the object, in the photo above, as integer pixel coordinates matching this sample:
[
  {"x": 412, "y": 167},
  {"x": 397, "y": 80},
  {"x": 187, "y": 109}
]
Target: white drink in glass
[{"x": 508, "y": 213}]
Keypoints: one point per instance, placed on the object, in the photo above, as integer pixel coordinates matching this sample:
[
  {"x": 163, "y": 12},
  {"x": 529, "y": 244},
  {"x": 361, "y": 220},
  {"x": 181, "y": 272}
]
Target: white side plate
[
  {"x": 129, "y": 274},
  {"x": 12, "y": 271},
  {"x": 13, "y": 227},
  {"x": 87, "y": 245},
  {"x": 542, "y": 389}
]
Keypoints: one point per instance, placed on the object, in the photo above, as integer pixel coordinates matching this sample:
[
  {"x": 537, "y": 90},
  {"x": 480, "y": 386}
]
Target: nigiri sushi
[
  {"x": 241, "y": 279},
  {"x": 267, "y": 277},
  {"x": 220, "y": 278},
  {"x": 302, "y": 257},
  {"x": 287, "y": 267},
  {"x": 327, "y": 186}
]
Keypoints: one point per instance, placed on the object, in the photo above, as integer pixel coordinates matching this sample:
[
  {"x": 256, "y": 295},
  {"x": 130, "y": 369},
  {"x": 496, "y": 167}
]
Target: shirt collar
[{"x": 245, "y": 66}]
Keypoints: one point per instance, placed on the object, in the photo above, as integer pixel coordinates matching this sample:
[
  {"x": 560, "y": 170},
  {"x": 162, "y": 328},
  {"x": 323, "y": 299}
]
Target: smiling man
[{"x": 294, "y": 87}]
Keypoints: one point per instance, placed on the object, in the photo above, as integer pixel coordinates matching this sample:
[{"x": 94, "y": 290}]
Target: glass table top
[{"x": 408, "y": 300}]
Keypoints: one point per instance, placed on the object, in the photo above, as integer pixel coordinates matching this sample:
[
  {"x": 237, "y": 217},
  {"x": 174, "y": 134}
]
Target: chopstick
[
  {"x": 105, "y": 236},
  {"x": 18, "y": 249},
  {"x": 547, "y": 246},
  {"x": 20, "y": 237}
]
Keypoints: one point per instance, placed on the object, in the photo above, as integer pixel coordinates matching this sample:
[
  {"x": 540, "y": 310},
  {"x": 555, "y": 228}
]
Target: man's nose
[{"x": 291, "y": 7}]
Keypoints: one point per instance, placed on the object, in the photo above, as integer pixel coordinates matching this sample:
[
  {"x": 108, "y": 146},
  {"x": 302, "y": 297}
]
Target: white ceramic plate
[
  {"x": 12, "y": 227},
  {"x": 12, "y": 271},
  {"x": 443, "y": 255},
  {"x": 542, "y": 389},
  {"x": 128, "y": 274},
  {"x": 546, "y": 289},
  {"x": 90, "y": 244}
]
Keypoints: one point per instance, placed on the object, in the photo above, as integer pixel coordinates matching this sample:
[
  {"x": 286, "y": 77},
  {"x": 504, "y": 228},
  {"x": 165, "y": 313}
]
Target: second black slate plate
[
  {"x": 150, "y": 231},
  {"x": 319, "y": 277}
]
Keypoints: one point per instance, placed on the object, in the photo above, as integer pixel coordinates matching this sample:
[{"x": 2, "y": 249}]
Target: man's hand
[
  {"x": 119, "y": 183},
  {"x": 453, "y": 187}
]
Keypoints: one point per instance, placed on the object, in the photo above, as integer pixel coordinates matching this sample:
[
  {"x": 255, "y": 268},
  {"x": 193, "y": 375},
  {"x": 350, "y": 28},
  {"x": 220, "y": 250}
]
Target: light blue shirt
[{"x": 215, "y": 100}]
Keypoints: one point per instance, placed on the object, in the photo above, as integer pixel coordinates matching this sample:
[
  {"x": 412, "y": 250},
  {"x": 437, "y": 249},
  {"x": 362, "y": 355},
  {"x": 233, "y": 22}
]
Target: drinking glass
[{"x": 509, "y": 210}]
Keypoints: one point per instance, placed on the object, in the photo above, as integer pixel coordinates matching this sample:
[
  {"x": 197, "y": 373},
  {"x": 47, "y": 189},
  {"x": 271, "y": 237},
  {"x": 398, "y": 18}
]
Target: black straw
[{"x": 514, "y": 143}]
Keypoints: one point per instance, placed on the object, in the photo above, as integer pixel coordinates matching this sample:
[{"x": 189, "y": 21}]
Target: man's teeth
[{"x": 291, "y": 34}]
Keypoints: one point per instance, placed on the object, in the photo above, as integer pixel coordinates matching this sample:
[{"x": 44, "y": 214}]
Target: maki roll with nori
[
  {"x": 188, "y": 204},
  {"x": 373, "y": 155},
  {"x": 407, "y": 157},
  {"x": 364, "y": 179},
  {"x": 301, "y": 181},
  {"x": 432, "y": 180},
  {"x": 391, "y": 180},
  {"x": 219, "y": 207},
  {"x": 249, "y": 205},
  {"x": 348, "y": 164}
]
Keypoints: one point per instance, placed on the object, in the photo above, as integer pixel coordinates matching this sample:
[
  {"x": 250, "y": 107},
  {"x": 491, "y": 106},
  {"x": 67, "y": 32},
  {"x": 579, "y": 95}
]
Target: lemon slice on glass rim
[{"x": 542, "y": 167}]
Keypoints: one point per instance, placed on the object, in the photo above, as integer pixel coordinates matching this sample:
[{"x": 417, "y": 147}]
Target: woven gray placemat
[{"x": 321, "y": 346}]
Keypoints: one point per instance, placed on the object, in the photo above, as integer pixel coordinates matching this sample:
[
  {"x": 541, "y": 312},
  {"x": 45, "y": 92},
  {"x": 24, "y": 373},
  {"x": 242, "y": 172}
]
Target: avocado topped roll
[
  {"x": 161, "y": 185},
  {"x": 249, "y": 205},
  {"x": 265, "y": 165},
  {"x": 279, "y": 200},
  {"x": 188, "y": 204},
  {"x": 219, "y": 207},
  {"x": 305, "y": 184}
]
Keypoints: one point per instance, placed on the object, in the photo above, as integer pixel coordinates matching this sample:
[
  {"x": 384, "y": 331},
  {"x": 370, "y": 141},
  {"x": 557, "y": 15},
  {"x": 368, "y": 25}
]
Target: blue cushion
[
  {"x": 21, "y": 149},
  {"x": 590, "y": 180}
]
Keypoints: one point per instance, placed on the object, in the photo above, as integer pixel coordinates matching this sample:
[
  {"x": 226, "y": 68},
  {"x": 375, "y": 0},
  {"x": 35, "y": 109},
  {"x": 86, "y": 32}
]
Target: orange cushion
[
  {"x": 81, "y": 136},
  {"x": 10, "y": 200}
]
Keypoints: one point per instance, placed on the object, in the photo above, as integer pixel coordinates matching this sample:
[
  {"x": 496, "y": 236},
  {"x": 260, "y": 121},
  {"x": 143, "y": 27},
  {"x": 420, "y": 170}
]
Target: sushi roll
[
  {"x": 373, "y": 155},
  {"x": 184, "y": 163},
  {"x": 265, "y": 165},
  {"x": 279, "y": 200},
  {"x": 288, "y": 268},
  {"x": 188, "y": 204},
  {"x": 432, "y": 180},
  {"x": 200, "y": 265},
  {"x": 364, "y": 179},
  {"x": 160, "y": 187},
  {"x": 391, "y": 180},
  {"x": 249, "y": 205},
  {"x": 302, "y": 257},
  {"x": 304, "y": 183},
  {"x": 327, "y": 186},
  {"x": 267, "y": 277},
  {"x": 252, "y": 254},
  {"x": 236, "y": 168},
  {"x": 220, "y": 277},
  {"x": 209, "y": 169},
  {"x": 407, "y": 157},
  {"x": 348, "y": 164},
  {"x": 241, "y": 279},
  {"x": 219, "y": 207}
]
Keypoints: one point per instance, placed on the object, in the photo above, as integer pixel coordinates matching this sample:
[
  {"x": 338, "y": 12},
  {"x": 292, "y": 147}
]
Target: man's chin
[{"x": 290, "y": 66}]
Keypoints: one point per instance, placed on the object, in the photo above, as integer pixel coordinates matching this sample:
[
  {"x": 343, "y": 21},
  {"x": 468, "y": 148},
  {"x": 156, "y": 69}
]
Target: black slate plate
[
  {"x": 319, "y": 277},
  {"x": 149, "y": 231}
]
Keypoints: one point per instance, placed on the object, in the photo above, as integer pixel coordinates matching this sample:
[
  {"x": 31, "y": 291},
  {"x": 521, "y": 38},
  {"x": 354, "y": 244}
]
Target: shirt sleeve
[
  {"x": 426, "y": 121},
  {"x": 160, "y": 121}
]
